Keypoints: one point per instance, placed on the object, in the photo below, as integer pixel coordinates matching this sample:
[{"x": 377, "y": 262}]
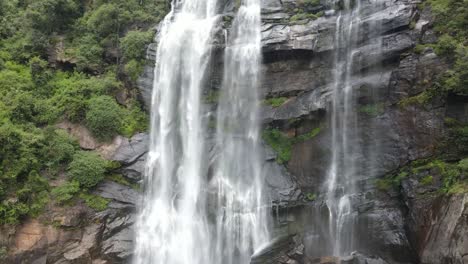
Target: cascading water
[
  {"x": 187, "y": 215},
  {"x": 342, "y": 172},
  {"x": 241, "y": 223}
]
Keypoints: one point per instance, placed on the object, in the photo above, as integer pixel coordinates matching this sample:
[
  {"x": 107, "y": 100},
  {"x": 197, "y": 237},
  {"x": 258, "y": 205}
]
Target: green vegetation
[
  {"x": 96, "y": 202},
  {"x": 450, "y": 174},
  {"x": 104, "y": 117},
  {"x": 392, "y": 181},
  {"x": 305, "y": 16},
  {"x": 372, "y": 110},
  {"x": 428, "y": 180},
  {"x": 311, "y": 196},
  {"x": 420, "y": 99},
  {"x": 66, "y": 60},
  {"x": 66, "y": 192},
  {"x": 283, "y": 144},
  {"x": 275, "y": 101},
  {"x": 451, "y": 24},
  {"x": 3, "y": 253},
  {"x": 280, "y": 143},
  {"x": 87, "y": 168}
]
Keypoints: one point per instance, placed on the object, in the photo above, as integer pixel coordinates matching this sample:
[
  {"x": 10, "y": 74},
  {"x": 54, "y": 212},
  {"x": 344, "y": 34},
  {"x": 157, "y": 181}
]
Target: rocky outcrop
[
  {"x": 413, "y": 225},
  {"x": 437, "y": 224}
]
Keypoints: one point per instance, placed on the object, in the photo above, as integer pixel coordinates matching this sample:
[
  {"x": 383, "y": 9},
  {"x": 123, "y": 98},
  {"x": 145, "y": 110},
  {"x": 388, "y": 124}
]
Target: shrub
[
  {"x": 66, "y": 192},
  {"x": 134, "y": 43},
  {"x": 134, "y": 120},
  {"x": 104, "y": 117},
  {"x": 87, "y": 169},
  {"x": 59, "y": 149},
  {"x": 88, "y": 51},
  {"x": 446, "y": 45},
  {"x": 95, "y": 202},
  {"x": 133, "y": 69}
]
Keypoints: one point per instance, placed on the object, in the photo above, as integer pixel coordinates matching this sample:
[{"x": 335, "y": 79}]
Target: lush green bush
[
  {"x": 134, "y": 120},
  {"x": 88, "y": 52},
  {"x": 87, "y": 168},
  {"x": 133, "y": 69},
  {"x": 134, "y": 43},
  {"x": 98, "y": 203},
  {"x": 66, "y": 192},
  {"x": 104, "y": 117},
  {"x": 59, "y": 149},
  {"x": 452, "y": 24}
]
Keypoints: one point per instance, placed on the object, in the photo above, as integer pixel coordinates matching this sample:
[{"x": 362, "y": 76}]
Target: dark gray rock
[
  {"x": 120, "y": 193},
  {"x": 135, "y": 171},
  {"x": 133, "y": 149},
  {"x": 145, "y": 85}
]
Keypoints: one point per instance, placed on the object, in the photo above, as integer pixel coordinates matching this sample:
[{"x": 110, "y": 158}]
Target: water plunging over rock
[{"x": 198, "y": 210}]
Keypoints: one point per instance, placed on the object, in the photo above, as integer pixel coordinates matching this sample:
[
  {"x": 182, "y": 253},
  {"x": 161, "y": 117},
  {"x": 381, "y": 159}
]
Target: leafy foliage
[
  {"x": 87, "y": 168},
  {"x": 96, "y": 48},
  {"x": 96, "y": 202},
  {"x": 452, "y": 24},
  {"x": 66, "y": 192},
  {"x": 283, "y": 144},
  {"x": 104, "y": 117}
]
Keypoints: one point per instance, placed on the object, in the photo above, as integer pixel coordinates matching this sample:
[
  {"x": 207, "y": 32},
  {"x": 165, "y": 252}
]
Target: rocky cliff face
[{"x": 411, "y": 224}]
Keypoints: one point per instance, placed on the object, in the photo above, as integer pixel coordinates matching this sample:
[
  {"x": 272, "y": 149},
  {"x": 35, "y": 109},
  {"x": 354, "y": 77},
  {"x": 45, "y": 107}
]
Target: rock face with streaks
[{"x": 412, "y": 223}]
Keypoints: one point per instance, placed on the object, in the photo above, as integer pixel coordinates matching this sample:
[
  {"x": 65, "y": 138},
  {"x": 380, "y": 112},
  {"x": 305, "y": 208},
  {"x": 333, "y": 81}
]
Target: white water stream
[{"x": 188, "y": 216}]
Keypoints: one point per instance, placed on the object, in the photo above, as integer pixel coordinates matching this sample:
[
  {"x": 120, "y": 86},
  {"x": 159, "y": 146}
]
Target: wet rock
[
  {"x": 120, "y": 193},
  {"x": 129, "y": 152},
  {"x": 118, "y": 236},
  {"x": 145, "y": 85},
  {"x": 437, "y": 224},
  {"x": 275, "y": 252},
  {"x": 135, "y": 171},
  {"x": 81, "y": 252}
]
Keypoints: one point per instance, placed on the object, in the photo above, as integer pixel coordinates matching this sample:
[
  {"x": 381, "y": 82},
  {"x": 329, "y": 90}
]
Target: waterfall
[
  {"x": 194, "y": 211},
  {"x": 344, "y": 125},
  {"x": 241, "y": 220}
]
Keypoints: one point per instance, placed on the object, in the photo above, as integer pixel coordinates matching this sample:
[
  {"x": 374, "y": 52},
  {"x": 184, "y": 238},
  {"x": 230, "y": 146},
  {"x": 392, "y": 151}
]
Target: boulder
[
  {"x": 129, "y": 152},
  {"x": 120, "y": 193}
]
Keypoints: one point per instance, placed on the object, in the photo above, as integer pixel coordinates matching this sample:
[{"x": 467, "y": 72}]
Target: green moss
[
  {"x": 419, "y": 48},
  {"x": 313, "y": 133},
  {"x": 391, "y": 181},
  {"x": 311, "y": 196},
  {"x": 95, "y": 202},
  {"x": 305, "y": 16},
  {"x": 384, "y": 184},
  {"x": 283, "y": 144},
  {"x": 418, "y": 100},
  {"x": 280, "y": 143},
  {"x": 309, "y": 2},
  {"x": 275, "y": 101},
  {"x": 372, "y": 110},
  {"x": 428, "y": 180}
]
